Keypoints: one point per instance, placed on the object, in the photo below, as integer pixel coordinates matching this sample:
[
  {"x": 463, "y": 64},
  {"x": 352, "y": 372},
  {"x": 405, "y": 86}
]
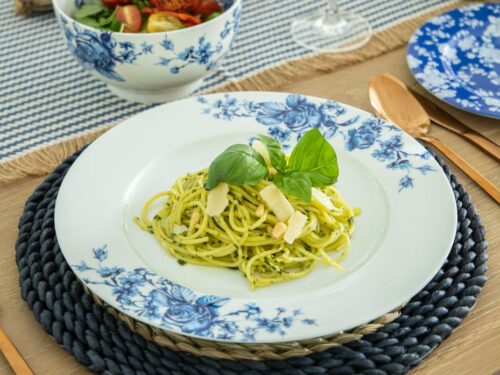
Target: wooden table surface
[{"x": 473, "y": 348}]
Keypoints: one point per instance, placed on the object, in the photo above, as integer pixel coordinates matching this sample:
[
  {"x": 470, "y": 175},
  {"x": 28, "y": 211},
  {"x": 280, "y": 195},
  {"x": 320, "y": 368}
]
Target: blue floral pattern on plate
[
  {"x": 456, "y": 56},
  {"x": 290, "y": 119},
  {"x": 175, "y": 307}
]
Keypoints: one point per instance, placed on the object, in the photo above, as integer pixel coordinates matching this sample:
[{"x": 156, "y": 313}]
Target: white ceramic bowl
[{"x": 150, "y": 67}]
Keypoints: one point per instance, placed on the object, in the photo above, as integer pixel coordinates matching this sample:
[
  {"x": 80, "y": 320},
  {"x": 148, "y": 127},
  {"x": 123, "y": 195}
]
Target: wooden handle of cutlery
[
  {"x": 468, "y": 169},
  {"x": 13, "y": 356},
  {"x": 486, "y": 145}
]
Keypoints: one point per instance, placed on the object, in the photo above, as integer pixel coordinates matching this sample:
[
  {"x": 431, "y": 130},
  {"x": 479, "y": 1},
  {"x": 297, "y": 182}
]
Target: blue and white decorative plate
[
  {"x": 402, "y": 237},
  {"x": 456, "y": 57}
]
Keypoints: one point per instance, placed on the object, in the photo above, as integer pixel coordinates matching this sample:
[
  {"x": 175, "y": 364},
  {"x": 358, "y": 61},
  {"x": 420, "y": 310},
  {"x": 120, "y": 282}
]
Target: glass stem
[{"x": 332, "y": 9}]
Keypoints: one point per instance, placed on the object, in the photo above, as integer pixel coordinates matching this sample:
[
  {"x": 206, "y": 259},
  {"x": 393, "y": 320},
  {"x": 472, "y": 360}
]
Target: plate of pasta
[{"x": 255, "y": 217}]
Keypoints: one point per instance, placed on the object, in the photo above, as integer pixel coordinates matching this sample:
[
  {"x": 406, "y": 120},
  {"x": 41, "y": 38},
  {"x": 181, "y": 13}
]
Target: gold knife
[{"x": 443, "y": 118}]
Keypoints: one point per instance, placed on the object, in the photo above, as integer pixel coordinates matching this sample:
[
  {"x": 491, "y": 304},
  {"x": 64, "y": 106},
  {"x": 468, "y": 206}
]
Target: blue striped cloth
[{"x": 46, "y": 98}]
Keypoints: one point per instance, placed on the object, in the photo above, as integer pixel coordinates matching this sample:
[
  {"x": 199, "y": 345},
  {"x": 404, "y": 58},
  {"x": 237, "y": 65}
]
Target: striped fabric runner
[{"x": 46, "y": 98}]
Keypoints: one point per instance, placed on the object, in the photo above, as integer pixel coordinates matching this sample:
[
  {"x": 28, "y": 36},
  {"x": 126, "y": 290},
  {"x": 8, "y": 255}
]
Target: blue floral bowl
[{"x": 150, "y": 67}]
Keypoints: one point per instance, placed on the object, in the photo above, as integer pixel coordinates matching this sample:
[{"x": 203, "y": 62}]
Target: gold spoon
[{"x": 392, "y": 101}]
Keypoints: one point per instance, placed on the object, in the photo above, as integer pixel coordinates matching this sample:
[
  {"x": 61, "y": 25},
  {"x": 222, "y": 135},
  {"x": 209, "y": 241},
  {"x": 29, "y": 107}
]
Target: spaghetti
[{"x": 240, "y": 238}]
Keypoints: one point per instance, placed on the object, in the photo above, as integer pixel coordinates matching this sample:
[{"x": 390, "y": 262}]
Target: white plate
[{"x": 401, "y": 239}]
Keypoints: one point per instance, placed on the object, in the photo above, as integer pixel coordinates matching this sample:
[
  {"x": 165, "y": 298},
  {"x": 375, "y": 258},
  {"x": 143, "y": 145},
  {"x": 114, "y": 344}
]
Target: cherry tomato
[
  {"x": 114, "y": 3},
  {"x": 162, "y": 21},
  {"x": 147, "y": 10},
  {"x": 131, "y": 17},
  {"x": 206, "y": 8}
]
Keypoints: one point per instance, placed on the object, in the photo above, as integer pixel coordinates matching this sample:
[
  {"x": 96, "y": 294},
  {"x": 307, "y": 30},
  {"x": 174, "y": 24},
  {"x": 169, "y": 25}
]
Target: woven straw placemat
[{"x": 101, "y": 340}]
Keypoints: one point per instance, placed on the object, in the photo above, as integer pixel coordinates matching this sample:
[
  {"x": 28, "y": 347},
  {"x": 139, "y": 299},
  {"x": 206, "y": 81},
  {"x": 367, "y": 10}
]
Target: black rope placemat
[{"x": 106, "y": 345}]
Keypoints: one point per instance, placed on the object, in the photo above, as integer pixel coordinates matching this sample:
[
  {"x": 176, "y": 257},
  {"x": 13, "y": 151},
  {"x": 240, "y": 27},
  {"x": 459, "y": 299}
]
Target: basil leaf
[
  {"x": 88, "y": 10},
  {"x": 294, "y": 183},
  {"x": 115, "y": 25},
  {"x": 141, "y": 3},
  {"x": 213, "y": 15},
  {"x": 275, "y": 152},
  {"x": 90, "y": 22},
  {"x": 108, "y": 19},
  {"x": 315, "y": 156},
  {"x": 237, "y": 165}
]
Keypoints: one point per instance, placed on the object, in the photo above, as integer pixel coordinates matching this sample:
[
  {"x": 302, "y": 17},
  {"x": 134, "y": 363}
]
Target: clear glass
[{"x": 332, "y": 30}]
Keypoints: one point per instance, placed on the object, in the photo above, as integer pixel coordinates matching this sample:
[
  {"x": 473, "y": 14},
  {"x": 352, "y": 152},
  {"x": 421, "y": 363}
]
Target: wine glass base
[{"x": 342, "y": 32}]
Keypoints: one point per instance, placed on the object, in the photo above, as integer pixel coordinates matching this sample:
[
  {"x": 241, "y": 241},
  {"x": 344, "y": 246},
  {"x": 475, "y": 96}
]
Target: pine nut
[
  {"x": 195, "y": 217},
  {"x": 279, "y": 230},
  {"x": 259, "y": 212}
]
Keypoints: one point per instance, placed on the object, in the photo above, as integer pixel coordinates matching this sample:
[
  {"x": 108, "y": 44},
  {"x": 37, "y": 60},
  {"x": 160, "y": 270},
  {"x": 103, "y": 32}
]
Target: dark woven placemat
[{"x": 106, "y": 345}]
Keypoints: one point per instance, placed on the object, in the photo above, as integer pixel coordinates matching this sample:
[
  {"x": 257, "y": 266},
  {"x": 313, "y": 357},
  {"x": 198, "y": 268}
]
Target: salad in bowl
[
  {"x": 147, "y": 16},
  {"x": 149, "y": 51}
]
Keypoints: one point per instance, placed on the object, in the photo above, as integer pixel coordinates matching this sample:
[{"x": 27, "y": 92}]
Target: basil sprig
[{"x": 313, "y": 163}]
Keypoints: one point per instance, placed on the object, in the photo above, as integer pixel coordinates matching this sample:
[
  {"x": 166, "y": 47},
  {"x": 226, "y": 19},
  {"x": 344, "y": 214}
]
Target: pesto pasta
[{"x": 241, "y": 237}]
